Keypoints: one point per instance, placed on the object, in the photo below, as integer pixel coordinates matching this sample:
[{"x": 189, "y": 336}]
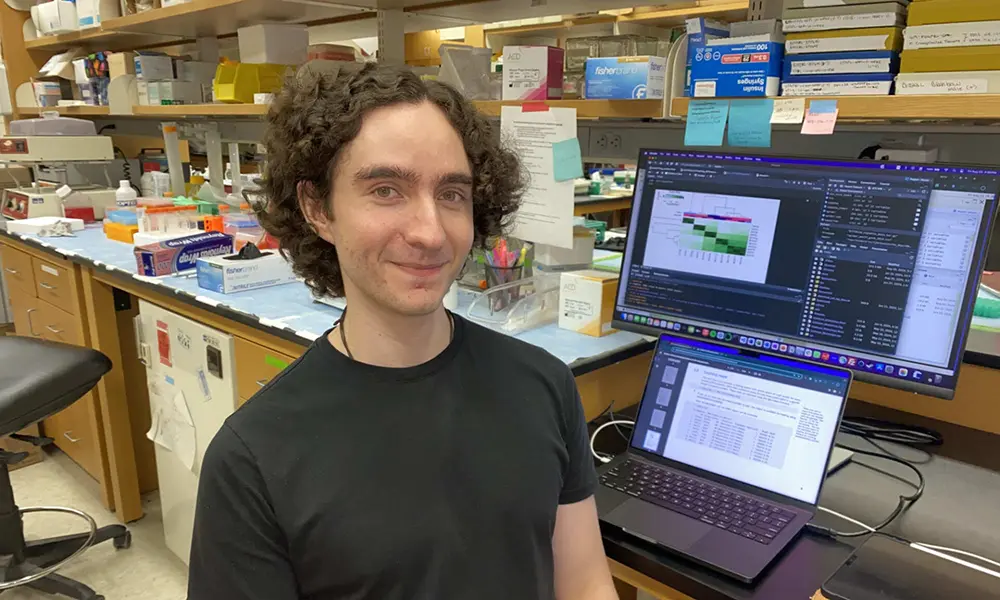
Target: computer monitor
[{"x": 873, "y": 266}]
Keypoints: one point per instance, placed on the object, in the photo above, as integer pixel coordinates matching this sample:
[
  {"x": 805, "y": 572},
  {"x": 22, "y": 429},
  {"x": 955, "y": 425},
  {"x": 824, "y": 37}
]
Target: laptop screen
[{"x": 767, "y": 421}]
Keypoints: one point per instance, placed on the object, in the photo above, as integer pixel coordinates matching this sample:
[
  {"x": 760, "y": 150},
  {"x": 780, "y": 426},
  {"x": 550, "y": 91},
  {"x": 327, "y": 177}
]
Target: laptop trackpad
[{"x": 660, "y": 525}]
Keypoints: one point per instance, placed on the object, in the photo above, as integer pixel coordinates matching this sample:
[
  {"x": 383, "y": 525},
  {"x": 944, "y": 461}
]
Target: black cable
[
  {"x": 904, "y": 501},
  {"x": 618, "y": 426},
  {"x": 887, "y": 431}
]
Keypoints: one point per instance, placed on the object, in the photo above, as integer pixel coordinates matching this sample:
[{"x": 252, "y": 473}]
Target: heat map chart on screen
[{"x": 712, "y": 234}]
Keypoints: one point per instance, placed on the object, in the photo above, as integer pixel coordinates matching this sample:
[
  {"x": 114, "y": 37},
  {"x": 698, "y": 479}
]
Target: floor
[{"x": 147, "y": 570}]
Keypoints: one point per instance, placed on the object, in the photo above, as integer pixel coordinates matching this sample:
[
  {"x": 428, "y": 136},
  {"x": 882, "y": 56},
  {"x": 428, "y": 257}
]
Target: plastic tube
[{"x": 172, "y": 143}]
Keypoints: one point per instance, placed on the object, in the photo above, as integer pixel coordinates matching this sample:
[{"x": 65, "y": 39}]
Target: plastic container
[
  {"x": 76, "y": 205},
  {"x": 627, "y": 45},
  {"x": 578, "y": 50},
  {"x": 125, "y": 196},
  {"x": 50, "y": 123}
]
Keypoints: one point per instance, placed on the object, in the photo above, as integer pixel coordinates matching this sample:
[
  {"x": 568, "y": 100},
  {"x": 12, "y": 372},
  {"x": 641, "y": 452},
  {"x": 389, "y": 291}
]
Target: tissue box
[
  {"x": 226, "y": 274},
  {"x": 274, "y": 44},
  {"x": 699, "y": 31},
  {"x": 587, "y": 302},
  {"x": 626, "y": 77},
  {"x": 153, "y": 66},
  {"x": 532, "y": 73},
  {"x": 181, "y": 254},
  {"x": 737, "y": 70}
]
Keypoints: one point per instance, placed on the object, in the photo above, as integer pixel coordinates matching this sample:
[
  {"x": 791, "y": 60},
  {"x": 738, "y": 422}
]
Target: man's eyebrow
[
  {"x": 386, "y": 172},
  {"x": 455, "y": 178}
]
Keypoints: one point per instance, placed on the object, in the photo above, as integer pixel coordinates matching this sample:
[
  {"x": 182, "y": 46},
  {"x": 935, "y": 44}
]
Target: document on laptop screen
[{"x": 767, "y": 424}]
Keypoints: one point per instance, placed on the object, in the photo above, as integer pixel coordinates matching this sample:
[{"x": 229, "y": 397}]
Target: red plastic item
[{"x": 84, "y": 213}]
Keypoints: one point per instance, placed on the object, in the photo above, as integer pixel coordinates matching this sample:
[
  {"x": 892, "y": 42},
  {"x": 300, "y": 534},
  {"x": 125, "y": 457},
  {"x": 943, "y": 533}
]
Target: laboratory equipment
[
  {"x": 869, "y": 265},
  {"x": 192, "y": 390}
]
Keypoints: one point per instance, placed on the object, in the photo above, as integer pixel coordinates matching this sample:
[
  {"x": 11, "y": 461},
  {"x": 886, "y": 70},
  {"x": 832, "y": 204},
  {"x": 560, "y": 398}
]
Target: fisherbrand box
[
  {"x": 626, "y": 77},
  {"x": 737, "y": 70}
]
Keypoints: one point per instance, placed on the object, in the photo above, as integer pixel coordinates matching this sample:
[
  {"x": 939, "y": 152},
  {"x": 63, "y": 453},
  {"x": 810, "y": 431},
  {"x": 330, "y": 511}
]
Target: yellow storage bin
[
  {"x": 236, "y": 83},
  {"x": 120, "y": 232}
]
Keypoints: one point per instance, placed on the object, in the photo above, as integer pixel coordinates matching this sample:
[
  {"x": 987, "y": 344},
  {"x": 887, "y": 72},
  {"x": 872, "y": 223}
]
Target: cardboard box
[
  {"x": 121, "y": 63},
  {"x": 274, "y": 43},
  {"x": 58, "y": 16},
  {"x": 882, "y": 14},
  {"x": 626, "y": 77},
  {"x": 532, "y": 73},
  {"x": 972, "y": 58},
  {"x": 153, "y": 67},
  {"x": 845, "y": 40},
  {"x": 835, "y": 63},
  {"x": 180, "y": 254},
  {"x": 196, "y": 71},
  {"x": 951, "y": 35},
  {"x": 737, "y": 70},
  {"x": 587, "y": 302},
  {"x": 948, "y": 82},
  {"x": 227, "y": 275},
  {"x": 179, "y": 92},
  {"x": 90, "y": 13},
  {"x": 934, "y": 12},
  {"x": 699, "y": 31},
  {"x": 838, "y": 85}
]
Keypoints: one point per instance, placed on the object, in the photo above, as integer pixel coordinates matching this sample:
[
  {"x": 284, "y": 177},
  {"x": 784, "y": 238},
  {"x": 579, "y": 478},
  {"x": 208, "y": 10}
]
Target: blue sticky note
[
  {"x": 750, "y": 123},
  {"x": 706, "y": 122},
  {"x": 823, "y": 106},
  {"x": 567, "y": 163}
]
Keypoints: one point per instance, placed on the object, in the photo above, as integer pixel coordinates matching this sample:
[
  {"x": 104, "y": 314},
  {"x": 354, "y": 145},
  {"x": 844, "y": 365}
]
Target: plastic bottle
[{"x": 125, "y": 196}]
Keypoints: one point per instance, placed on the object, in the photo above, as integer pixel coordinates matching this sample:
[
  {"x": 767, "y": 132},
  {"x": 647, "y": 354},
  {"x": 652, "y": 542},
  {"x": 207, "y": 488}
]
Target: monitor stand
[{"x": 838, "y": 458}]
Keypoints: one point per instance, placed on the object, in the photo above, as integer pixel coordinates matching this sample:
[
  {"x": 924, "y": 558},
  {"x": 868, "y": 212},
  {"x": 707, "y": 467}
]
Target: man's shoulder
[
  {"x": 512, "y": 351},
  {"x": 298, "y": 380}
]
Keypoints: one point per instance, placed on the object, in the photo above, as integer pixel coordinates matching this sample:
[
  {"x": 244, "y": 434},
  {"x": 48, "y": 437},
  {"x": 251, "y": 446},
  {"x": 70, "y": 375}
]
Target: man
[{"x": 408, "y": 453}]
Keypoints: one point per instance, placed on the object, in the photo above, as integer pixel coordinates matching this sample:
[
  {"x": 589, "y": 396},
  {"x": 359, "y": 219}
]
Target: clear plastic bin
[
  {"x": 578, "y": 50},
  {"x": 51, "y": 123},
  {"x": 627, "y": 45}
]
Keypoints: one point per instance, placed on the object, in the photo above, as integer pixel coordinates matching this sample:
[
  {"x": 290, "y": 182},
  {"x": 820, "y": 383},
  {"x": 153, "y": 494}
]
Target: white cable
[
  {"x": 601, "y": 457},
  {"x": 929, "y": 548}
]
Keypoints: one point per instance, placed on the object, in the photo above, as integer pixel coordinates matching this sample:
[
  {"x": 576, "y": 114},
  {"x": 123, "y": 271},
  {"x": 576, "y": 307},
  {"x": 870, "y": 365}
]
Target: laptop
[{"x": 728, "y": 454}]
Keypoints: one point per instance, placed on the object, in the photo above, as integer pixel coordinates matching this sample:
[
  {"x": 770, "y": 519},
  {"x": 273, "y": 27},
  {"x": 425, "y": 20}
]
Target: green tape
[{"x": 275, "y": 362}]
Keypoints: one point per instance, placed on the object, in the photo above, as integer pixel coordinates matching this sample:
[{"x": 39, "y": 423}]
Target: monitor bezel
[{"x": 965, "y": 316}]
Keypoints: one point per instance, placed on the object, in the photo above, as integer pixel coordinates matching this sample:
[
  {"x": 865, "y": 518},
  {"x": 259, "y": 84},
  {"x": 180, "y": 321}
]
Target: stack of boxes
[
  {"x": 842, "y": 47},
  {"x": 699, "y": 32},
  {"x": 951, "y": 47},
  {"x": 746, "y": 64},
  {"x": 164, "y": 80}
]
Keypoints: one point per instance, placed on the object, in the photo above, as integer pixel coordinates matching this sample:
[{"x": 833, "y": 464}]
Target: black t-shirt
[{"x": 341, "y": 480}]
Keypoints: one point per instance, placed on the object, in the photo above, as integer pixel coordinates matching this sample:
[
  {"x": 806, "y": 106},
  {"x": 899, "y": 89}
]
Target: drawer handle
[
  {"x": 46, "y": 285},
  {"x": 261, "y": 382},
  {"x": 70, "y": 438},
  {"x": 31, "y": 324},
  {"x": 11, "y": 271},
  {"x": 53, "y": 329}
]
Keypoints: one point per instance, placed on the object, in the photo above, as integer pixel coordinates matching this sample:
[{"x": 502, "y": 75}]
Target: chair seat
[{"x": 39, "y": 378}]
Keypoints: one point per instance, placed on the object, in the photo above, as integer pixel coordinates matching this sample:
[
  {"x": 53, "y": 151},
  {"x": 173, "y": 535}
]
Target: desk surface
[
  {"x": 958, "y": 509},
  {"x": 289, "y": 312}
]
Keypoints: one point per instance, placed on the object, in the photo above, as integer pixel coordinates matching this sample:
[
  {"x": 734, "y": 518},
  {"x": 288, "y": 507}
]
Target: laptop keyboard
[{"x": 715, "y": 505}]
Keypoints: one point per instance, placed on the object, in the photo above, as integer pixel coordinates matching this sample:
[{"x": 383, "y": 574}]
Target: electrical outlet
[
  {"x": 614, "y": 141},
  {"x": 601, "y": 142}
]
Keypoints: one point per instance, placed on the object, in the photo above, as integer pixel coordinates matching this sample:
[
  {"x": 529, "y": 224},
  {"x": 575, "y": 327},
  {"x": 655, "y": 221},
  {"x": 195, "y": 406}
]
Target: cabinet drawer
[
  {"x": 255, "y": 367},
  {"x": 24, "y": 309},
  {"x": 17, "y": 269},
  {"x": 56, "y": 325},
  {"x": 54, "y": 284},
  {"x": 71, "y": 429}
]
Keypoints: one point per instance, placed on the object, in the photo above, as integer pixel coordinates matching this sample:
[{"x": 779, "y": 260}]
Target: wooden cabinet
[
  {"x": 17, "y": 270},
  {"x": 24, "y": 307},
  {"x": 54, "y": 284},
  {"x": 255, "y": 367},
  {"x": 57, "y": 325}
]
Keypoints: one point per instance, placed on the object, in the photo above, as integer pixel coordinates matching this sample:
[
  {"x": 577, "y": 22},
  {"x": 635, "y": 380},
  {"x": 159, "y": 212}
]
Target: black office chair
[{"x": 39, "y": 379}]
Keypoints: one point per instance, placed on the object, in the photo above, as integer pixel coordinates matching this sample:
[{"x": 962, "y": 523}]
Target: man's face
[{"x": 402, "y": 209}]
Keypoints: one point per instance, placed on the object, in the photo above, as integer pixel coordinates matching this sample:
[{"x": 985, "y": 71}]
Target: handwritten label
[
  {"x": 706, "y": 122},
  {"x": 823, "y": 67},
  {"x": 837, "y": 88},
  {"x": 942, "y": 86},
  {"x": 49, "y": 270},
  {"x": 839, "y": 44},
  {"x": 943, "y": 36},
  {"x": 879, "y": 19},
  {"x": 788, "y": 111}
]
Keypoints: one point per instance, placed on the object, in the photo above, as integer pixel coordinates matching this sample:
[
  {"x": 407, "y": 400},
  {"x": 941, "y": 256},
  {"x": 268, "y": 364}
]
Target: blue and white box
[
  {"x": 230, "y": 274},
  {"x": 699, "y": 31},
  {"x": 626, "y": 78},
  {"x": 737, "y": 70},
  {"x": 840, "y": 63}
]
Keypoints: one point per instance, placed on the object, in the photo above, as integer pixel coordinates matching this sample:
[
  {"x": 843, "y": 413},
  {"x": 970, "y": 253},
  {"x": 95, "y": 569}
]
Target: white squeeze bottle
[{"x": 125, "y": 196}]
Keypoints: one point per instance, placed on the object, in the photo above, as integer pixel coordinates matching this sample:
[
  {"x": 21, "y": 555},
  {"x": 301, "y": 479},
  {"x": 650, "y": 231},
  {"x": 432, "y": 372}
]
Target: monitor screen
[
  {"x": 765, "y": 420},
  {"x": 869, "y": 265}
]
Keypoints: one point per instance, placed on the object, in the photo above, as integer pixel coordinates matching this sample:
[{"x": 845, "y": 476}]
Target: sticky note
[
  {"x": 750, "y": 123},
  {"x": 788, "y": 111},
  {"x": 567, "y": 163},
  {"x": 822, "y": 122},
  {"x": 274, "y": 361},
  {"x": 706, "y": 122}
]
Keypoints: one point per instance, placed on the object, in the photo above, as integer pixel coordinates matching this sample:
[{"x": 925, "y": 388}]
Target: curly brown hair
[{"x": 318, "y": 114}]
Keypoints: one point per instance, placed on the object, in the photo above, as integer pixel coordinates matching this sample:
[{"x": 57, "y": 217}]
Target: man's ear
[{"x": 314, "y": 209}]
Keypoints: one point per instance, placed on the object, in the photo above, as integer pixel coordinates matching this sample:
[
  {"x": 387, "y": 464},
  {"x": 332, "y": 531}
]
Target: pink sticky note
[{"x": 819, "y": 123}]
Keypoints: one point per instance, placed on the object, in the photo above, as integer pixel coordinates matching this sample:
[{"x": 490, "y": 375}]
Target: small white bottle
[{"x": 125, "y": 196}]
